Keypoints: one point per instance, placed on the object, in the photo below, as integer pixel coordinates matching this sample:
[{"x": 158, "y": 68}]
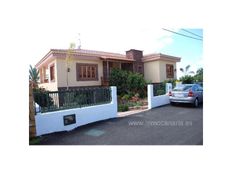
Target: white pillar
[
  {"x": 149, "y": 95},
  {"x": 37, "y": 108},
  {"x": 168, "y": 87},
  {"x": 114, "y": 98}
]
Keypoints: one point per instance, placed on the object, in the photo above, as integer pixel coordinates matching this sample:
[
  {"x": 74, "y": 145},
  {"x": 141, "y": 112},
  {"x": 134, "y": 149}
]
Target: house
[{"x": 92, "y": 68}]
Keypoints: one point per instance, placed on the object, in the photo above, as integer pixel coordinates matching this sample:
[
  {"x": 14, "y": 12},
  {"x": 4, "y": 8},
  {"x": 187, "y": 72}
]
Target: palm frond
[
  {"x": 33, "y": 75},
  {"x": 187, "y": 68}
]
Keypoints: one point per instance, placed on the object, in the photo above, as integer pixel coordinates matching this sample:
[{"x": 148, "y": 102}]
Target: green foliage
[
  {"x": 173, "y": 82},
  {"x": 123, "y": 107},
  {"x": 160, "y": 92},
  {"x": 135, "y": 82},
  {"x": 42, "y": 98},
  {"x": 126, "y": 97},
  {"x": 132, "y": 104},
  {"x": 119, "y": 78},
  {"x": 35, "y": 140},
  {"x": 159, "y": 89},
  {"x": 199, "y": 75},
  {"x": 187, "y": 79},
  {"x": 33, "y": 75},
  {"x": 73, "y": 98},
  {"x": 127, "y": 82}
]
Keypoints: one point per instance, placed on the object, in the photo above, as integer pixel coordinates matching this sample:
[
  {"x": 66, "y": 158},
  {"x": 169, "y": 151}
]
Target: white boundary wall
[
  {"x": 155, "y": 101},
  {"x": 54, "y": 121}
]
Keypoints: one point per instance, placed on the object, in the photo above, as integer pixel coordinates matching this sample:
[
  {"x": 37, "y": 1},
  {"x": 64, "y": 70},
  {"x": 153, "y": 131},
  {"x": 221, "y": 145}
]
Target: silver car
[{"x": 187, "y": 93}]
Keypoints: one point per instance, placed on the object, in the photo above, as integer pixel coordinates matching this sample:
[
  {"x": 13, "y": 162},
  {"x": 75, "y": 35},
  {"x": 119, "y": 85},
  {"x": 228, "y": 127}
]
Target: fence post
[
  {"x": 114, "y": 94},
  {"x": 149, "y": 95},
  {"x": 168, "y": 87},
  {"x": 114, "y": 98}
]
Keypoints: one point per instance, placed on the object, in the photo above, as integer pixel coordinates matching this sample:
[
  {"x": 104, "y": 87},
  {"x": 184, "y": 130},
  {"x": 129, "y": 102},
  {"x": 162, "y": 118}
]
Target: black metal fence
[
  {"x": 67, "y": 99},
  {"x": 159, "y": 89}
]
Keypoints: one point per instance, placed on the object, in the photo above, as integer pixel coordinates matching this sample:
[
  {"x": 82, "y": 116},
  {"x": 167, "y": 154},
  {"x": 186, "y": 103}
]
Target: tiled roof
[
  {"x": 90, "y": 53},
  {"x": 81, "y": 52},
  {"x": 105, "y": 55}
]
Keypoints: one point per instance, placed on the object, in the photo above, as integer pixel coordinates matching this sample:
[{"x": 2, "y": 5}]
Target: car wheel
[
  {"x": 172, "y": 103},
  {"x": 196, "y": 103}
]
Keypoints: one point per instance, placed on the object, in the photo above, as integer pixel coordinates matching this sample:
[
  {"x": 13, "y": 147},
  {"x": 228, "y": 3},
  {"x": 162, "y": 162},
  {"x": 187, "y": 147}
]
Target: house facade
[{"x": 60, "y": 68}]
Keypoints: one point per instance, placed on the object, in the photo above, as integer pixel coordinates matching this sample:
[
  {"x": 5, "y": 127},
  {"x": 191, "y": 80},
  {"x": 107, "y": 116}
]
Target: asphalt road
[{"x": 166, "y": 125}]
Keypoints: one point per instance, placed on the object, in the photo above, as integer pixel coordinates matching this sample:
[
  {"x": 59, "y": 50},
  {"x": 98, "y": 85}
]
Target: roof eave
[{"x": 44, "y": 58}]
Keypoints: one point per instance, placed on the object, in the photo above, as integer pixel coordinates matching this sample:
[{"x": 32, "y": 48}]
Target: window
[
  {"x": 169, "y": 71},
  {"x": 52, "y": 73},
  {"x": 87, "y": 72}
]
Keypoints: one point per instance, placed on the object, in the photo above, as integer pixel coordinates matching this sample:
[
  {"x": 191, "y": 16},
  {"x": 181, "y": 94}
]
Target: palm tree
[
  {"x": 186, "y": 70},
  {"x": 33, "y": 76}
]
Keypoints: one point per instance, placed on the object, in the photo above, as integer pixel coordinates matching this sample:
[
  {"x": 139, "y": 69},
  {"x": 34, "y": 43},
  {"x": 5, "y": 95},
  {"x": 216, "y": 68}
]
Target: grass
[{"x": 35, "y": 140}]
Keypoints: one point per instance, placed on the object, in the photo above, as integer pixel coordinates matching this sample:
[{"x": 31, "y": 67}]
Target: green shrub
[
  {"x": 160, "y": 92},
  {"x": 119, "y": 78},
  {"x": 35, "y": 140},
  {"x": 159, "y": 89},
  {"x": 199, "y": 75},
  {"x": 135, "y": 82},
  {"x": 173, "y": 82},
  {"x": 126, "y": 97},
  {"x": 73, "y": 98},
  {"x": 127, "y": 82},
  {"x": 139, "y": 104},
  {"x": 187, "y": 79},
  {"x": 42, "y": 98},
  {"x": 123, "y": 107}
]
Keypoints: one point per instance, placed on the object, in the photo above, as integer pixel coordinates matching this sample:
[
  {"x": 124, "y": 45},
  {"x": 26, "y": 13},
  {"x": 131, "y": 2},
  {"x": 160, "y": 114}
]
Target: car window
[
  {"x": 200, "y": 89},
  {"x": 195, "y": 88},
  {"x": 182, "y": 88}
]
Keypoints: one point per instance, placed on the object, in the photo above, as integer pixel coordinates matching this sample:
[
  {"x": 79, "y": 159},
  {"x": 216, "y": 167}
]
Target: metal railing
[
  {"x": 67, "y": 99},
  {"x": 159, "y": 89}
]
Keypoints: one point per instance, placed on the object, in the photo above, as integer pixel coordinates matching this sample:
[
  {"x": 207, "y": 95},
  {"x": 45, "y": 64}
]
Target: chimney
[{"x": 134, "y": 54}]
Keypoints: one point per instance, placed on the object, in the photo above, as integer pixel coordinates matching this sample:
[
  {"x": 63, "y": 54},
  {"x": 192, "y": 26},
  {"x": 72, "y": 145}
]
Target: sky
[
  {"x": 190, "y": 50},
  {"x": 109, "y": 27},
  {"x": 150, "y": 40}
]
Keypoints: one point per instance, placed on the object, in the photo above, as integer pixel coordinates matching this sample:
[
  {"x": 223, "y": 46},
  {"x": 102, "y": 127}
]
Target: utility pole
[{"x": 68, "y": 59}]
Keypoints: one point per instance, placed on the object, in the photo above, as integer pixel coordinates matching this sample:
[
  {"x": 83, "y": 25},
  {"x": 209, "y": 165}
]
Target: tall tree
[
  {"x": 199, "y": 75},
  {"x": 33, "y": 76},
  {"x": 186, "y": 70}
]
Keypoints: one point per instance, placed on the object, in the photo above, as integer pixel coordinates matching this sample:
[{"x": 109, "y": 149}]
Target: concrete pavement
[{"x": 167, "y": 125}]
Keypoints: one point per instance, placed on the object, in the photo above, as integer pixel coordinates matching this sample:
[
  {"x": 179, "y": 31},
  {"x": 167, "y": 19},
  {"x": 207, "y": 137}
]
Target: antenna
[{"x": 79, "y": 40}]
